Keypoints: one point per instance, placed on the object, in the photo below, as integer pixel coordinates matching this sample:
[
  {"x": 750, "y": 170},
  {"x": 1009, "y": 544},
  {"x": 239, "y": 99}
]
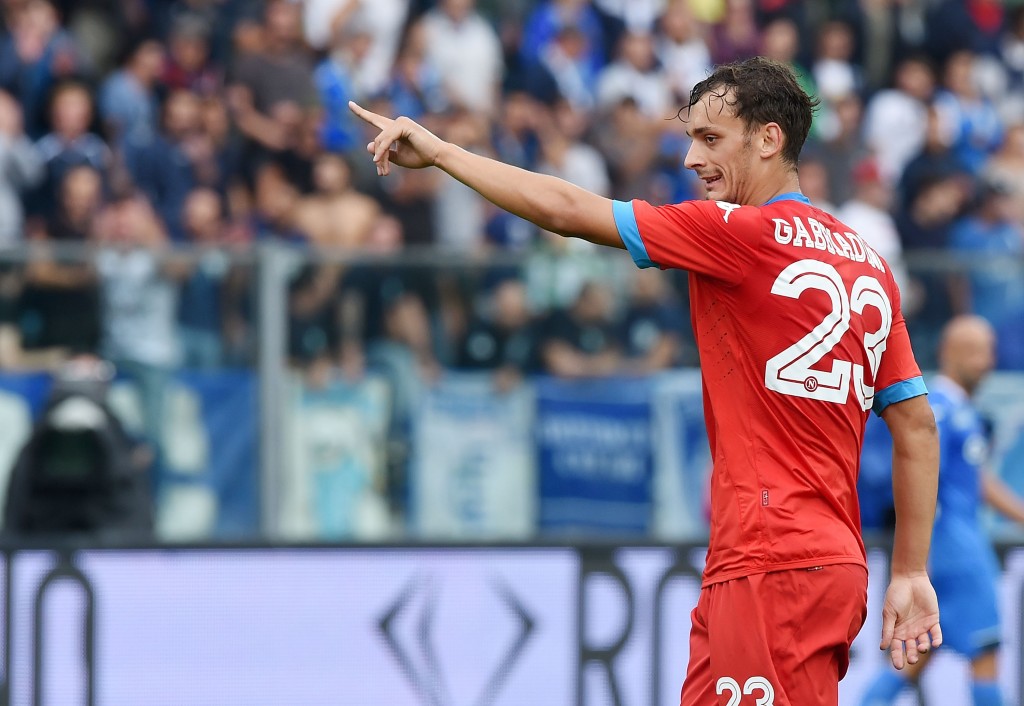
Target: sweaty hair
[{"x": 762, "y": 91}]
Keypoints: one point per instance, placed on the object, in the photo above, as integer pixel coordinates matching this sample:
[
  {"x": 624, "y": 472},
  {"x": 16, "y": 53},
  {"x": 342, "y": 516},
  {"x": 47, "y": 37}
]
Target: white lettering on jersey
[
  {"x": 728, "y": 208},
  {"x": 818, "y": 237}
]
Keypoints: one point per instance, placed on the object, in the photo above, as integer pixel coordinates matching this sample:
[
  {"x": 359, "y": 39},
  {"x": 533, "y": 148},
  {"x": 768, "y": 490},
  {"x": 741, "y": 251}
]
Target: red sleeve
[
  {"x": 712, "y": 238},
  {"x": 898, "y": 363}
]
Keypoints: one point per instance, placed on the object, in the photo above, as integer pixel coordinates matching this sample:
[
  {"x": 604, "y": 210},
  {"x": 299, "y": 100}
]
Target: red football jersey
[{"x": 800, "y": 335}]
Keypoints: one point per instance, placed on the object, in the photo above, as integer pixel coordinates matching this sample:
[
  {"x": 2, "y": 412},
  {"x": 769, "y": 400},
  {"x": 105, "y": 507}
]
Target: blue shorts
[{"x": 968, "y": 610}]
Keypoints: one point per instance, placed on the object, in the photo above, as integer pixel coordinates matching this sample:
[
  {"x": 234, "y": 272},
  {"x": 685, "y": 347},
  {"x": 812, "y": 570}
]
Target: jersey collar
[{"x": 789, "y": 196}]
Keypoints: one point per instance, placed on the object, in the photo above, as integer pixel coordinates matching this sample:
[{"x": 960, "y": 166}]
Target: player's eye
[{"x": 710, "y": 139}]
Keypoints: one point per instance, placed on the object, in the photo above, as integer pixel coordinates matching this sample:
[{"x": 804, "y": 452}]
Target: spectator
[
  {"x": 60, "y": 304},
  {"x": 842, "y": 147},
  {"x": 834, "y": 70},
  {"x": 467, "y": 53},
  {"x": 636, "y": 75},
  {"x": 564, "y": 155},
  {"x": 36, "y": 55},
  {"x": 550, "y": 17},
  {"x": 21, "y": 167},
  {"x": 580, "y": 342},
  {"x": 128, "y": 100},
  {"x": 992, "y": 242},
  {"x": 968, "y": 120},
  {"x": 276, "y": 200},
  {"x": 416, "y": 86},
  {"x": 896, "y": 118},
  {"x": 280, "y": 70},
  {"x": 868, "y": 214},
  {"x": 201, "y": 299},
  {"x": 654, "y": 326},
  {"x": 336, "y": 83},
  {"x": 161, "y": 164},
  {"x": 381, "y": 20},
  {"x": 336, "y": 216},
  {"x": 460, "y": 214},
  {"x": 736, "y": 36},
  {"x": 681, "y": 49},
  {"x": 814, "y": 183},
  {"x": 188, "y": 66},
  {"x": 566, "y": 59},
  {"x": 502, "y": 336},
  {"x": 140, "y": 303},
  {"x": 1006, "y": 167},
  {"x": 935, "y": 161},
  {"x": 69, "y": 144},
  {"x": 630, "y": 146}
]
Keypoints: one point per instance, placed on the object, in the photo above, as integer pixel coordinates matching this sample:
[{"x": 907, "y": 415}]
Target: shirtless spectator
[{"x": 336, "y": 216}]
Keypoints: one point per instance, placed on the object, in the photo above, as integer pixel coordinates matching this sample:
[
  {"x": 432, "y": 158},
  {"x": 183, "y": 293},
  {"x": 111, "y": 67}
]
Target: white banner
[{"x": 472, "y": 473}]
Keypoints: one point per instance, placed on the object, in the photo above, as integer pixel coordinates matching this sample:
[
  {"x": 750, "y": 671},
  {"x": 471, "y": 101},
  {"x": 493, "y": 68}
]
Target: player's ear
[{"x": 772, "y": 140}]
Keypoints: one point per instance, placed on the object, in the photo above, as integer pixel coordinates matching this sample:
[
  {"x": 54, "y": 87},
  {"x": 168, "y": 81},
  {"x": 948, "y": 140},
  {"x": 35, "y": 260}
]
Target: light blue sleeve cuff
[
  {"x": 625, "y": 221},
  {"x": 914, "y": 387}
]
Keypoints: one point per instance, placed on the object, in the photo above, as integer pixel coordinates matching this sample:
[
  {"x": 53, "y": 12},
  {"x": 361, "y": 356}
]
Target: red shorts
[{"x": 776, "y": 639}]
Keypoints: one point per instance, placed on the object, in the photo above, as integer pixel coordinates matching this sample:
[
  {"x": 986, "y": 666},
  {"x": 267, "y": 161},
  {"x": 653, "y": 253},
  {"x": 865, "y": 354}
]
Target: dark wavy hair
[{"x": 762, "y": 91}]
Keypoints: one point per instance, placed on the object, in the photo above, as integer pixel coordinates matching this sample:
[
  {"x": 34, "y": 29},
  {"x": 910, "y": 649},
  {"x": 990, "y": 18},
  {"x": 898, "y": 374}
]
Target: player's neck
[{"x": 785, "y": 184}]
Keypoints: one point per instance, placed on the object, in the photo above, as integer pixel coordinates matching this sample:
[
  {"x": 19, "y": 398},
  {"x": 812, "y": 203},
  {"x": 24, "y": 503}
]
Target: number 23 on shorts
[{"x": 767, "y": 697}]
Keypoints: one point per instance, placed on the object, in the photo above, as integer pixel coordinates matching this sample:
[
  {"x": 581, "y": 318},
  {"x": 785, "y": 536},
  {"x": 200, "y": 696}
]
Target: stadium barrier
[{"x": 597, "y": 624}]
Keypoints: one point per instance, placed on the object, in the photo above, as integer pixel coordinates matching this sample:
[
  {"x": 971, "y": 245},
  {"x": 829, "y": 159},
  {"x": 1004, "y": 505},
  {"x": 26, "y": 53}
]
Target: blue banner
[{"x": 594, "y": 456}]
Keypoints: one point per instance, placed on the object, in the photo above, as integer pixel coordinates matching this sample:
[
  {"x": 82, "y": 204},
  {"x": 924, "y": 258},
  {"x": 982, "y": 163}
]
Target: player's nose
[{"x": 694, "y": 159}]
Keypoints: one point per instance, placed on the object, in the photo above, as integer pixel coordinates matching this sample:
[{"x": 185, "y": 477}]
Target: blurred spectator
[
  {"x": 968, "y": 120},
  {"x": 654, "y": 326},
  {"x": 69, "y": 144},
  {"x": 11, "y": 351},
  {"x": 936, "y": 160},
  {"x": 280, "y": 70},
  {"x": 737, "y": 36},
  {"x": 637, "y": 75},
  {"x": 581, "y": 341},
  {"x": 682, "y": 49},
  {"x": 460, "y": 214},
  {"x": 842, "y": 147},
  {"x": 549, "y": 17},
  {"x": 567, "y": 61},
  {"x": 502, "y": 336},
  {"x": 955, "y": 25},
  {"x": 60, "y": 304},
  {"x": 274, "y": 212},
  {"x": 868, "y": 214},
  {"x": 335, "y": 80},
  {"x": 634, "y": 15},
  {"x": 1007, "y": 168},
  {"x": 36, "y": 54},
  {"x": 139, "y": 281},
  {"x": 565, "y": 156},
  {"x": 161, "y": 164},
  {"x": 127, "y": 100},
  {"x": 834, "y": 71},
  {"x": 381, "y": 20},
  {"x": 630, "y": 146},
  {"x": 992, "y": 242},
  {"x": 467, "y": 53},
  {"x": 814, "y": 183},
  {"x": 896, "y": 118},
  {"x": 416, "y": 86},
  {"x": 336, "y": 216},
  {"x": 780, "y": 40},
  {"x": 21, "y": 167},
  {"x": 201, "y": 300},
  {"x": 515, "y": 136},
  {"x": 188, "y": 66},
  {"x": 925, "y": 225}
]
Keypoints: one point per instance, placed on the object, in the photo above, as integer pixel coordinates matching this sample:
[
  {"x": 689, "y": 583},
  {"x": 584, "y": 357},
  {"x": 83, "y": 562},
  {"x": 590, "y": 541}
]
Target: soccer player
[
  {"x": 800, "y": 335},
  {"x": 964, "y": 567}
]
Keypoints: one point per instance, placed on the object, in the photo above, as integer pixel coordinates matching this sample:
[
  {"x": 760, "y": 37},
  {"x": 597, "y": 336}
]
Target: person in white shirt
[
  {"x": 896, "y": 118},
  {"x": 467, "y": 52}
]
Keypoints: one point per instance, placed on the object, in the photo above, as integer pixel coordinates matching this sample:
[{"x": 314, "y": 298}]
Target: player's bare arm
[
  {"x": 1001, "y": 497},
  {"x": 910, "y": 616},
  {"x": 549, "y": 202}
]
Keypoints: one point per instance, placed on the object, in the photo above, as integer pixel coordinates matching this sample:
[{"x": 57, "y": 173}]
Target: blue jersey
[
  {"x": 958, "y": 540},
  {"x": 963, "y": 565}
]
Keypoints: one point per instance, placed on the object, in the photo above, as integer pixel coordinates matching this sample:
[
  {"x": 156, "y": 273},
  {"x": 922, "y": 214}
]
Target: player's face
[{"x": 721, "y": 153}]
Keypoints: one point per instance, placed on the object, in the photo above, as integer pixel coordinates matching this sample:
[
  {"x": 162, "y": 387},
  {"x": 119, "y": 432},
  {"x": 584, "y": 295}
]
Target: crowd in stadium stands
[{"x": 139, "y": 125}]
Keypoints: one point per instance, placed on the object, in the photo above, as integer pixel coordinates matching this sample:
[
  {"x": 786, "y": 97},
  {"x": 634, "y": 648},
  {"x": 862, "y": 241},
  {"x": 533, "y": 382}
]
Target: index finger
[{"x": 378, "y": 121}]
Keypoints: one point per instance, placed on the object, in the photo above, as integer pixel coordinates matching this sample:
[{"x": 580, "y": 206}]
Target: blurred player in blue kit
[{"x": 962, "y": 563}]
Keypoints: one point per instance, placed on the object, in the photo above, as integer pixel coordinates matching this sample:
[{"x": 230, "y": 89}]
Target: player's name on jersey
[{"x": 817, "y": 236}]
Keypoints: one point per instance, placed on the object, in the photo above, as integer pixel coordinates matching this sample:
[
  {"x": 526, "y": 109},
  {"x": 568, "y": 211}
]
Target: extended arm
[
  {"x": 910, "y": 617},
  {"x": 1001, "y": 497},
  {"x": 549, "y": 202}
]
